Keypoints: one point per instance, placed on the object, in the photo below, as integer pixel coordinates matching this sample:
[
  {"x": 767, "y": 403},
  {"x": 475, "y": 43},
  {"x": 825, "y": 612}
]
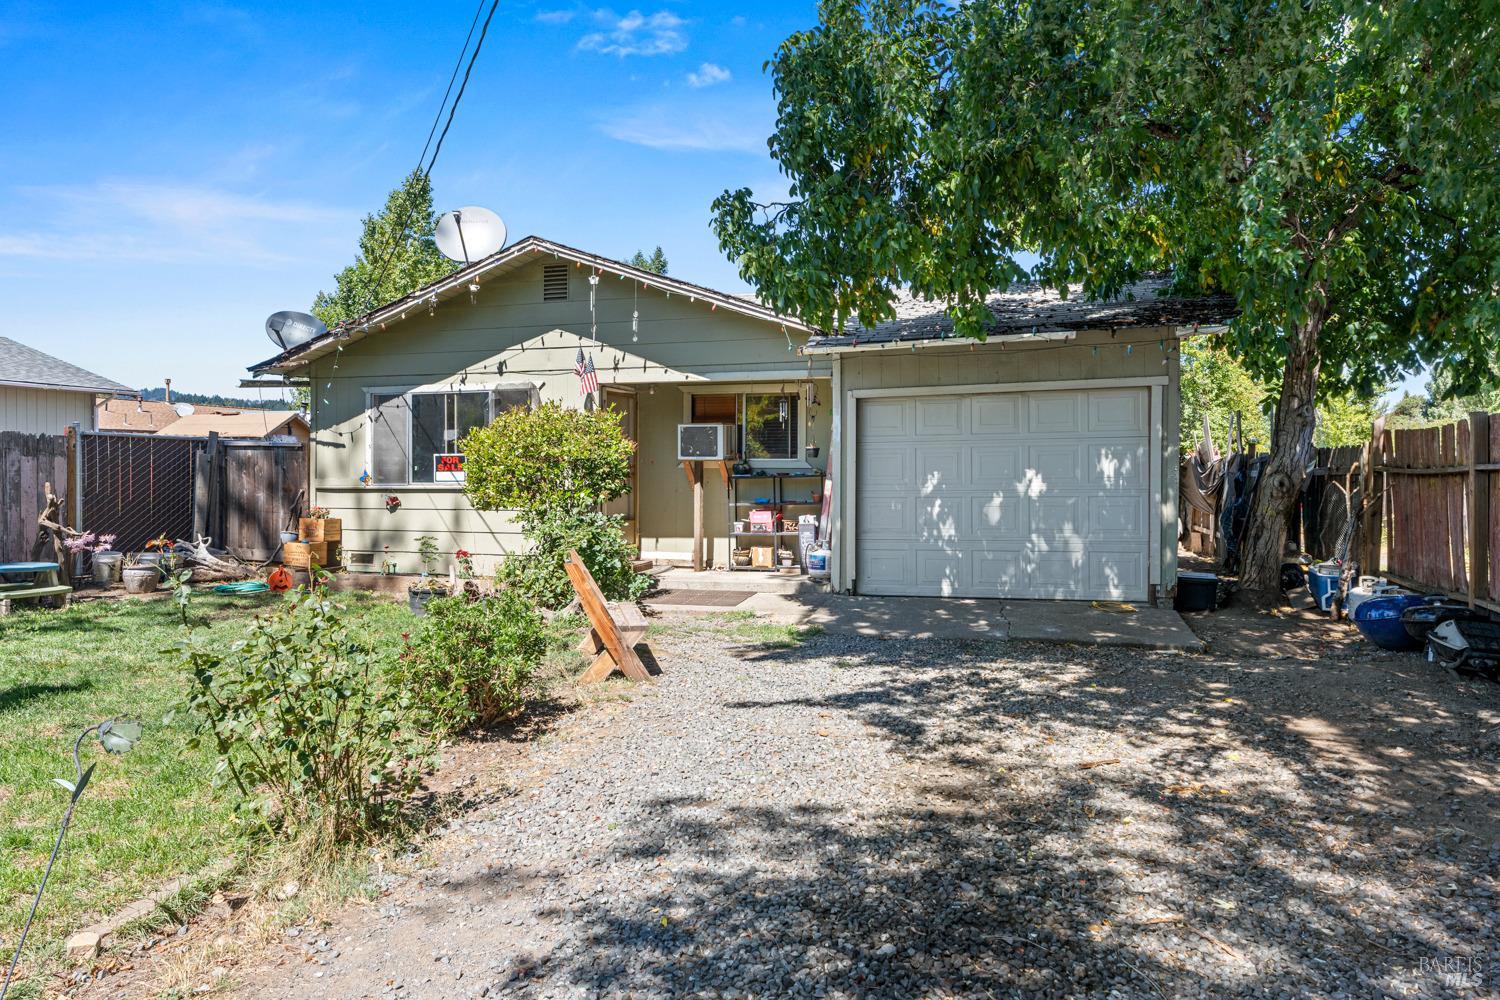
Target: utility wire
[
  {"x": 374, "y": 287},
  {"x": 451, "y": 78}
]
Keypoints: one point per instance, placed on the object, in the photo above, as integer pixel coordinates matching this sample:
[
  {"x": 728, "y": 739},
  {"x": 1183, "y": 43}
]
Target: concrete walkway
[{"x": 994, "y": 620}]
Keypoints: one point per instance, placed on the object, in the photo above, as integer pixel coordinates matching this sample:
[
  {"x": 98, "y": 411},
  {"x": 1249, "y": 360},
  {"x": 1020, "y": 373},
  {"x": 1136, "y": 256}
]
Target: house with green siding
[{"x": 1039, "y": 463}]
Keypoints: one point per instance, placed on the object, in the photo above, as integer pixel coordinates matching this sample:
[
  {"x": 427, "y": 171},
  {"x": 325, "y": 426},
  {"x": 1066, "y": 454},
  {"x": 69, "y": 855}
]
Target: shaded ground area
[{"x": 848, "y": 816}]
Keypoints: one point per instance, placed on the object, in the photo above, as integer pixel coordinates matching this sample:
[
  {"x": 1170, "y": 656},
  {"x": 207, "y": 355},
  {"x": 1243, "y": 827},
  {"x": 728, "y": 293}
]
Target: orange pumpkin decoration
[{"x": 280, "y": 579}]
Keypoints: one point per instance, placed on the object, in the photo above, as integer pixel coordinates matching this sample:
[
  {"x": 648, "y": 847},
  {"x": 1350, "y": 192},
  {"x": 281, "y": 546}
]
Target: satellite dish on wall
[
  {"x": 468, "y": 234},
  {"x": 288, "y": 328},
  {"x": 185, "y": 409}
]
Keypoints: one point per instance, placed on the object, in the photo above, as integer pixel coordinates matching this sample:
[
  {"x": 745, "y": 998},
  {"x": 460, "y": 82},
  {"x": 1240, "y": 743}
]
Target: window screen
[
  {"x": 438, "y": 422},
  {"x": 388, "y": 437},
  {"x": 770, "y": 426},
  {"x": 510, "y": 399}
]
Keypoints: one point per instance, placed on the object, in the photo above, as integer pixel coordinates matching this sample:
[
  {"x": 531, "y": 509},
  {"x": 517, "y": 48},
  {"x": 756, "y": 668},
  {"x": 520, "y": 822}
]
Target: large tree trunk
[{"x": 1285, "y": 474}]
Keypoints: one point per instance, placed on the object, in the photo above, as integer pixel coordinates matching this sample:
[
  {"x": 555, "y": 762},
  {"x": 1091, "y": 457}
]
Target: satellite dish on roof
[
  {"x": 185, "y": 409},
  {"x": 288, "y": 328},
  {"x": 468, "y": 234}
]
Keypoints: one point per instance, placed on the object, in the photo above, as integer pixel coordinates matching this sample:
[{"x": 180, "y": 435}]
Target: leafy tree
[
  {"x": 656, "y": 263},
  {"x": 1213, "y": 383},
  {"x": 1409, "y": 411},
  {"x": 396, "y": 255},
  {"x": 1330, "y": 164}
]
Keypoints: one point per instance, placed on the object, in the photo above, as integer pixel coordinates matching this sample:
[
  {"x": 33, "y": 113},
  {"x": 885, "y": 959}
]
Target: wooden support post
[
  {"x": 1479, "y": 509},
  {"x": 698, "y": 541}
]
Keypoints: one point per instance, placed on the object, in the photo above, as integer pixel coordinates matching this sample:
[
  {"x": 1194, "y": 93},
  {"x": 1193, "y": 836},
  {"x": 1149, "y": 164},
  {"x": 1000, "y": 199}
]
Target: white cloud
[
  {"x": 707, "y": 75},
  {"x": 691, "y": 129},
  {"x": 635, "y": 34},
  {"x": 556, "y": 16},
  {"x": 166, "y": 221}
]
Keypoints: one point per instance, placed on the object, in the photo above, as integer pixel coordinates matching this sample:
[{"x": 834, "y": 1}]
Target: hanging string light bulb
[
  {"x": 635, "y": 316},
  {"x": 593, "y": 317}
]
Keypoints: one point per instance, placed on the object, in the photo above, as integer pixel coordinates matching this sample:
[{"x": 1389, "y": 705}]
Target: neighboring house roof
[
  {"x": 141, "y": 416},
  {"x": 513, "y": 256},
  {"x": 1039, "y": 309},
  {"x": 237, "y": 423},
  {"x": 30, "y": 368}
]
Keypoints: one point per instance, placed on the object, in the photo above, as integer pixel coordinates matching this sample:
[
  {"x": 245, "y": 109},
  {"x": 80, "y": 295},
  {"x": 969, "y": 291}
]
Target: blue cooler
[{"x": 1323, "y": 583}]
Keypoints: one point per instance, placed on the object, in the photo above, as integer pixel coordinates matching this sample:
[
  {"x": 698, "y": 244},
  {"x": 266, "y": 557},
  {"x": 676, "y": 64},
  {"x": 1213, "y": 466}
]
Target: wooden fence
[
  {"x": 247, "y": 492},
  {"x": 27, "y": 463},
  {"x": 1437, "y": 512}
]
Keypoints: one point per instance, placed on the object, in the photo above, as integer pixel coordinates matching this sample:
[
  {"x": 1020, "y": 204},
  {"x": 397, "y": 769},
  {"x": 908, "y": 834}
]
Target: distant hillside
[{"x": 159, "y": 394}]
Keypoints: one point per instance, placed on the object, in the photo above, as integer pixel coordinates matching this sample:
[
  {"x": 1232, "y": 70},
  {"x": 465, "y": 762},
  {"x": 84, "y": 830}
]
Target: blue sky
[{"x": 173, "y": 173}]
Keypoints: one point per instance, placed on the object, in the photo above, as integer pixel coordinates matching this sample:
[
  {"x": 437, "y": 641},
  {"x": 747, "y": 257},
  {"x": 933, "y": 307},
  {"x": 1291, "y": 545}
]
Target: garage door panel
[
  {"x": 1118, "y": 465},
  {"x": 1057, "y": 575},
  {"x": 890, "y": 517},
  {"x": 997, "y": 517},
  {"x": 995, "y": 414},
  {"x": 999, "y": 572},
  {"x": 995, "y": 467},
  {"x": 942, "y": 572},
  {"x": 884, "y": 418},
  {"x": 886, "y": 569},
  {"x": 1054, "y": 466},
  {"x": 941, "y": 416},
  {"x": 1054, "y": 412},
  {"x": 1117, "y": 575},
  {"x": 940, "y": 520},
  {"x": 888, "y": 467},
  {"x": 1118, "y": 411},
  {"x": 941, "y": 469},
  {"x": 1117, "y": 518},
  {"x": 1043, "y": 495}
]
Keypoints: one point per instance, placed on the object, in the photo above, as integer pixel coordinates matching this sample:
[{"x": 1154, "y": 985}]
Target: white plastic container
[
  {"x": 1364, "y": 589},
  {"x": 818, "y": 562}
]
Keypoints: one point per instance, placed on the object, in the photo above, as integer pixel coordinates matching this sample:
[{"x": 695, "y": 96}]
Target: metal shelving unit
[{"x": 779, "y": 503}]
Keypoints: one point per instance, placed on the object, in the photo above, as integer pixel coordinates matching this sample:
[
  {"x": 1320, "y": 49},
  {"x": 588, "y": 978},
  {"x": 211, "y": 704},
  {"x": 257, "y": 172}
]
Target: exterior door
[
  {"x": 623, "y": 402},
  {"x": 1039, "y": 494}
]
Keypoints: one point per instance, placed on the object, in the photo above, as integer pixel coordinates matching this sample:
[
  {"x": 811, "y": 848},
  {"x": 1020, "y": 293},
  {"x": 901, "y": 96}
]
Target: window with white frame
[{"x": 408, "y": 429}]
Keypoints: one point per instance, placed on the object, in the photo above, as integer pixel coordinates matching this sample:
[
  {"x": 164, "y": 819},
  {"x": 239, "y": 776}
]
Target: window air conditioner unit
[{"x": 700, "y": 442}]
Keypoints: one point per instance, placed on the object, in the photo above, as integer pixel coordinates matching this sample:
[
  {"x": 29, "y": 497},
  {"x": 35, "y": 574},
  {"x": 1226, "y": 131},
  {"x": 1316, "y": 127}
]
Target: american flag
[{"x": 588, "y": 378}]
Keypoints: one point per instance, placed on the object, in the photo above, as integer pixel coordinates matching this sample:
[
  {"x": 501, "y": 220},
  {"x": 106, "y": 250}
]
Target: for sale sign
[{"x": 447, "y": 468}]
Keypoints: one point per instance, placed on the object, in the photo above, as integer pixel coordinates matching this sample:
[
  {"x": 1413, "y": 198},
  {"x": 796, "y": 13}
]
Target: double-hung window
[{"x": 409, "y": 429}]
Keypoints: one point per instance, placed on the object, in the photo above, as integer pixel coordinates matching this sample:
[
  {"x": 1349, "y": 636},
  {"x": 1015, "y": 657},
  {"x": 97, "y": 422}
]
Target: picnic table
[{"x": 40, "y": 581}]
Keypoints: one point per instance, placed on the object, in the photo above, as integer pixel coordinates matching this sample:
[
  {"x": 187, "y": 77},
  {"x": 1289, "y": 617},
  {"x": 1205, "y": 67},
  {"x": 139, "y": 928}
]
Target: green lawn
[{"x": 146, "y": 817}]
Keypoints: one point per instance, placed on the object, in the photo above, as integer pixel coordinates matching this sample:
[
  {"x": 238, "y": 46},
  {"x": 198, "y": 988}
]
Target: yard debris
[{"x": 1085, "y": 765}]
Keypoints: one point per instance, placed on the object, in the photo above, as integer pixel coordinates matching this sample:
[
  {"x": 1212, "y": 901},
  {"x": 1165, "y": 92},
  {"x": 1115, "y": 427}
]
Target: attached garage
[
  {"x": 1040, "y": 463},
  {"x": 1004, "y": 494}
]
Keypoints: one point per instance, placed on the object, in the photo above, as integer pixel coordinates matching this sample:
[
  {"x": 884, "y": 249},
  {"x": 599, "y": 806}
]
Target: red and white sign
[{"x": 448, "y": 468}]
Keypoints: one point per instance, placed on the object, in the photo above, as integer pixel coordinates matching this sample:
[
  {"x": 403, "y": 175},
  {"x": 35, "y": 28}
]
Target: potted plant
[
  {"x": 425, "y": 589},
  {"x": 140, "y": 576},
  {"x": 320, "y": 526},
  {"x": 166, "y": 550},
  {"x": 100, "y": 549}
]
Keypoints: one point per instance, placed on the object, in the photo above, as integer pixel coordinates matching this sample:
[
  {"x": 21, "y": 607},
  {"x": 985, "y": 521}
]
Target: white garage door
[{"x": 1038, "y": 494}]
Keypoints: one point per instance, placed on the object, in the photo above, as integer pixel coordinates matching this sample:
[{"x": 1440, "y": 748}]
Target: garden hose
[{"x": 242, "y": 587}]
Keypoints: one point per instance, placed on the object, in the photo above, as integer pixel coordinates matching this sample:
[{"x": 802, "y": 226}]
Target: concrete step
[{"x": 677, "y": 578}]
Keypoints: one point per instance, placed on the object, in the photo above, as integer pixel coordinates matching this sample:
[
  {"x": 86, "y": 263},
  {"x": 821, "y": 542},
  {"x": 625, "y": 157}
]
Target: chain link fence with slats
[{"x": 137, "y": 486}]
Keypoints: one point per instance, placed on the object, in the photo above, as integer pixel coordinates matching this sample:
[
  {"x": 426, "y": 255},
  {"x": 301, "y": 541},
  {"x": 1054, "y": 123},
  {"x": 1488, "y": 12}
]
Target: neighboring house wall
[
  {"x": 1030, "y": 368},
  {"x": 44, "y": 411},
  {"x": 511, "y": 337}
]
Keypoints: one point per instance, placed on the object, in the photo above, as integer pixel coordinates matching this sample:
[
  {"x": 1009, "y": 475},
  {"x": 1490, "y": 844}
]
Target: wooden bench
[
  {"x": 611, "y": 640},
  {"x": 27, "y": 593}
]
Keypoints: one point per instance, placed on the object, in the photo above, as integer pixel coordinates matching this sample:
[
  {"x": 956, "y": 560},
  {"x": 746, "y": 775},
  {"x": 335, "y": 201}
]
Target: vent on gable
[{"x": 554, "y": 282}]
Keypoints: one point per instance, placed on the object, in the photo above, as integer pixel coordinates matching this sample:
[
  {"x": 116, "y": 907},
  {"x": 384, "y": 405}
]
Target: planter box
[
  {"x": 313, "y": 529},
  {"x": 300, "y": 555}
]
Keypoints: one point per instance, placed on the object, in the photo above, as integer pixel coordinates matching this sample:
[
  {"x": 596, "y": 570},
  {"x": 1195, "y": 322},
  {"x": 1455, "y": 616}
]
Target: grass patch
[
  {"x": 146, "y": 817},
  {"x": 738, "y": 626}
]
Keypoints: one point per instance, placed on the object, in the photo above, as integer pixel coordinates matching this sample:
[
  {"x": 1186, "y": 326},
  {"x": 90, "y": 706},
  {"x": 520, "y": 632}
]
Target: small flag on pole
[{"x": 588, "y": 378}]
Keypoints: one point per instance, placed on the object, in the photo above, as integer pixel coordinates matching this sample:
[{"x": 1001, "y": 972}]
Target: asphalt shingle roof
[
  {"x": 22, "y": 365},
  {"x": 1038, "y": 308}
]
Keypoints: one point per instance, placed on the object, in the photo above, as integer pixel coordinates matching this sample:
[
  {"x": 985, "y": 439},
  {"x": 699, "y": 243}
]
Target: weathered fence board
[{"x": 27, "y": 463}]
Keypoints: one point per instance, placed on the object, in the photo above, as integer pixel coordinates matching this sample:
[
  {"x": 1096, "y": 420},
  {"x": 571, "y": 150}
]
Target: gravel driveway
[{"x": 854, "y": 817}]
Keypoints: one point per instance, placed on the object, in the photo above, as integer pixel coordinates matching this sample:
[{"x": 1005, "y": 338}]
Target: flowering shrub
[{"x": 89, "y": 543}]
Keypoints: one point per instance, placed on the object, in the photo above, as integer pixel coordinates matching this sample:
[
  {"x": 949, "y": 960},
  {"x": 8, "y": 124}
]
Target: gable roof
[
  {"x": 144, "y": 416},
  {"x": 512, "y": 257},
  {"x": 1038, "y": 309},
  {"x": 235, "y": 423},
  {"x": 29, "y": 368}
]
